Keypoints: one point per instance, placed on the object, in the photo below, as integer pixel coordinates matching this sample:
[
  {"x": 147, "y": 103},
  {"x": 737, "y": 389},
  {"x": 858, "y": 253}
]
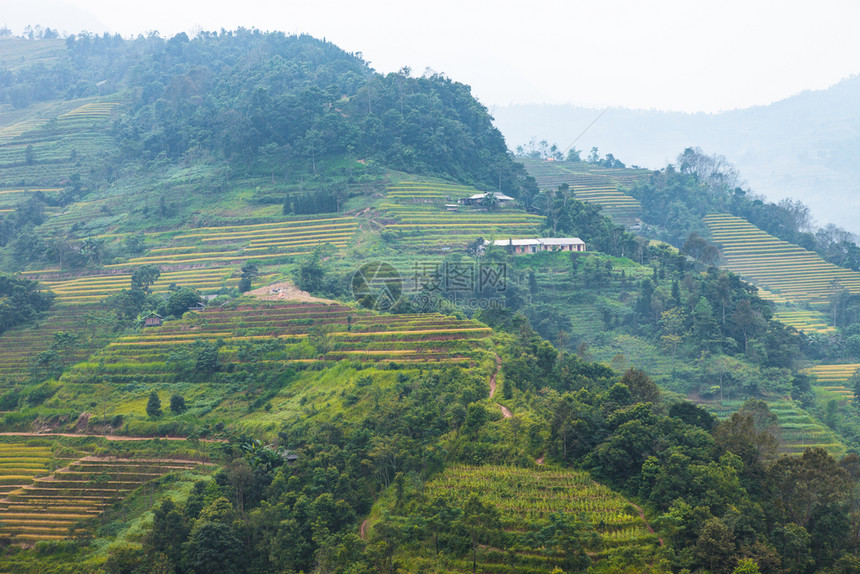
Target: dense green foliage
[
  {"x": 20, "y": 300},
  {"x": 325, "y": 463},
  {"x": 247, "y": 96}
]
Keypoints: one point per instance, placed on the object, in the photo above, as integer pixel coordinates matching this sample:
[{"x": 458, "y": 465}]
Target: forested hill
[{"x": 244, "y": 96}]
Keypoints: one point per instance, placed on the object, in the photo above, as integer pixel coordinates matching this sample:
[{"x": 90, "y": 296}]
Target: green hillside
[{"x": 247, "y": 326}]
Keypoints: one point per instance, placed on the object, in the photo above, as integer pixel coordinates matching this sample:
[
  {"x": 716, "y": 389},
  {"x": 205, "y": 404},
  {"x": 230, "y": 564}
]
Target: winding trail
[
  {"x": 362, "y": 530},
  {"x": 494, "y": 375},
  {"x": 506, "y": 413},
  {"x": 647, "y": 525}
]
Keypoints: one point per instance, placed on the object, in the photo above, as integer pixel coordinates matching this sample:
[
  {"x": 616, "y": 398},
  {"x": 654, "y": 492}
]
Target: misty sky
[{"x": 675, "y": 55}]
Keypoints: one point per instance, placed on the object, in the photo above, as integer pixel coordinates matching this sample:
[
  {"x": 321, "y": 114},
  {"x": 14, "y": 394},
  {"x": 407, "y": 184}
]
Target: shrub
[
  {"x": 153, "y": 405},
  {"x": 177, "y": 404}
]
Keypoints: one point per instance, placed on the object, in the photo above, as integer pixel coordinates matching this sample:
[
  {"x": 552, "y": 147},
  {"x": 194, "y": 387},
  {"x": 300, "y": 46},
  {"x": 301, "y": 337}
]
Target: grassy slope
[{"x": 213, "y": 222}]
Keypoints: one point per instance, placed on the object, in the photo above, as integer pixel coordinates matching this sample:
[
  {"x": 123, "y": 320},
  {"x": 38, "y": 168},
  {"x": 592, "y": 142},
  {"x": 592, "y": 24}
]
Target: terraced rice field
[
  {"x": 353, "y": 334},
  {"x": 832, "y": 381},
  {"x": 592, "y": 185},
  {"x": 12, "y": 131},
  {"x": 526, "y": 498},
  {"x": 20, "y": 344},
  {"x": 90, "y": 111},
  {"x": 797, "y": 429},
  {"x": 11, "y": 198},
  {"x": 620, "y": 207},
  {"x": 419, "y": 191},
  {"x": 84, "y": 216},
  {"x": 20, "y": 464},
  {"x": 804, "y": 320},
  {"x": 49, "y": 506},
  {"x": 63, "y": 137},
  {"x": 791, "y": 271},
  {"x": 432, "y": 229},
  {"x": 205, "y": 245},
  {"x": 94, "y": 288}
]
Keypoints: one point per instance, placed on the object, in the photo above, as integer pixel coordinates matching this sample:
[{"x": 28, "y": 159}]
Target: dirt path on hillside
[
  {"x": 285, "y": 290},
  {"x": 362, "y": 530},
  {"x": 493, "y": 377},
  {"x": 106, "y": 437},
  {"x": 505, "y": 412},
  {"x": 647, "y": 525}
]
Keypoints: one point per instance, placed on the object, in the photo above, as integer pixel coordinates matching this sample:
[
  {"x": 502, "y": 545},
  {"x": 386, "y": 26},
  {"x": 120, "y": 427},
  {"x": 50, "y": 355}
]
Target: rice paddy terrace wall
[
  {"x": 781, "y": 267},
  {"x": 526, "y": 498},
  {"x": 805, "y": 320},
  {"x": 20, "y": 464},
  {"x": 47, "y": 507},
  {"x": 832, "y": 381},
  {"x": 593, "y": 185},
  {"x": 266, "y": 334},
  {"x": 94, "y": 288}
]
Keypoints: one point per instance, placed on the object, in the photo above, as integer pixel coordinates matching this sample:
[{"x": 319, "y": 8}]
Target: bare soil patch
[{"x": 285, "y": 291}]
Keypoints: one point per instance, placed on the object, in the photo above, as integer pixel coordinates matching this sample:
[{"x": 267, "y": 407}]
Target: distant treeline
[
  {"x": 266, "y": 100},
  {"x": 676, "y": 198}
]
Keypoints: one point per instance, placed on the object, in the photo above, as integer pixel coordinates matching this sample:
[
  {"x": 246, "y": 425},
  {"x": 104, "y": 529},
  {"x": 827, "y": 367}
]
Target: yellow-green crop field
[
  {"x": 797, "y": 431},
  {"x": 525, "y": 499},
  {"x": 804, "y": 320},
  {"x": 225, "y": 244},
  {"x": 351, "y": 333},
  {"x": 418, "y": 191},
  {"x": 832, "y": 380},
  {"x": 47, "y": 507},
  {"x": 21, "y": 464},
  {"x": 94, "y": 288},
  {"x": 591, "y": 184},
  {"x": 784, "y": 268}
]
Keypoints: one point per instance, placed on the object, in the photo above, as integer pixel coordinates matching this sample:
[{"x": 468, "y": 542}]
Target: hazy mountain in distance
[
  {"x": 55, "y": 14},
  {"x": 806, "y": 147}
]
